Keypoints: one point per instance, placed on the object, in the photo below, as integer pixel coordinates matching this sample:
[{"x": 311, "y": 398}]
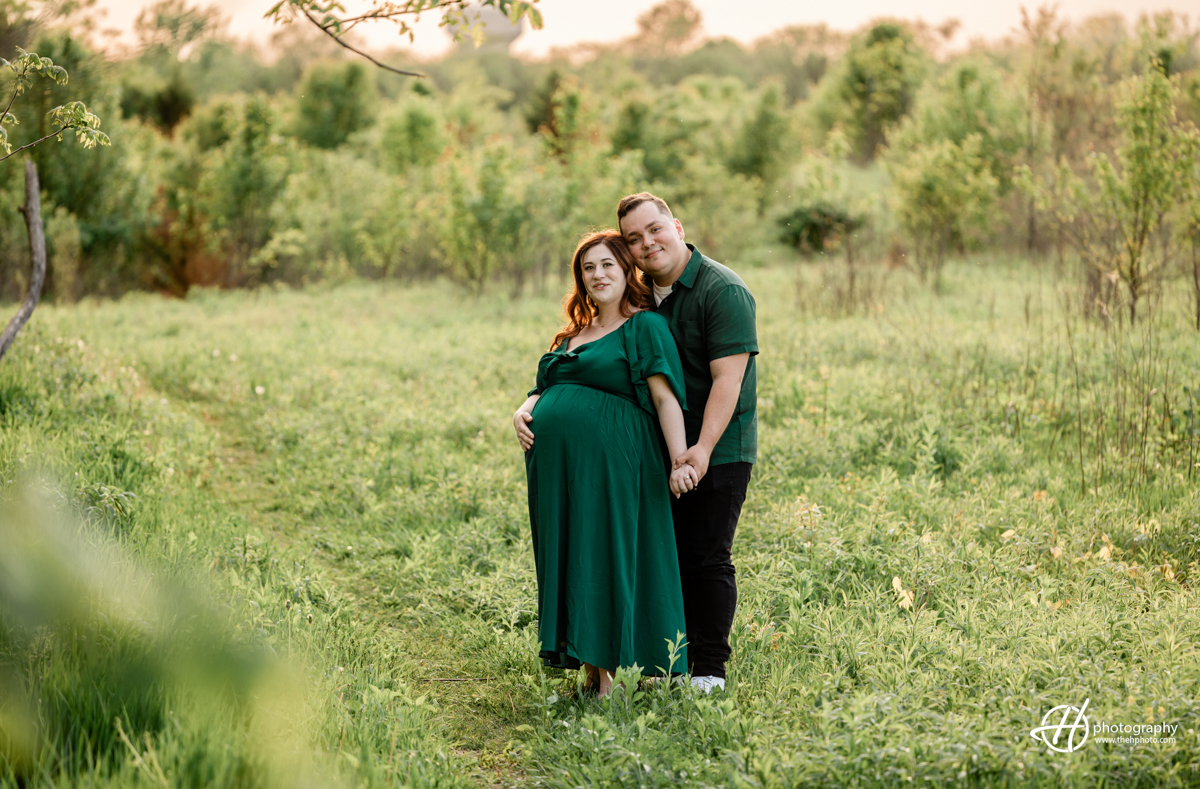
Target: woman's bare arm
[{"x": 670, "y": 416}]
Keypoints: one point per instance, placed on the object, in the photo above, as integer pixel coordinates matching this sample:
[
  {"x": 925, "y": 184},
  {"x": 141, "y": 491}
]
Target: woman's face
[{"x": 603, "y": 276}]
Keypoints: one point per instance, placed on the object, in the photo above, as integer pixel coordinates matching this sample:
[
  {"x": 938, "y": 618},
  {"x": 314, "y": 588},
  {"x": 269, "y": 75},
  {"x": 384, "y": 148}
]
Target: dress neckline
[{"x": 567, "y": 345}]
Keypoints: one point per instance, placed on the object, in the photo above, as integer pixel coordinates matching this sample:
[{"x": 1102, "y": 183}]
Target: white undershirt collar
[{"x": 661, "y": 293}]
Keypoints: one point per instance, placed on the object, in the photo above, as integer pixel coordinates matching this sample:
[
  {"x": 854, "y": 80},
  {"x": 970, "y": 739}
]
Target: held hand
[
  {"x": 683, "y": 479},
  {"x": 521, "y": 420},
  {"x": 697, "y": 458}
]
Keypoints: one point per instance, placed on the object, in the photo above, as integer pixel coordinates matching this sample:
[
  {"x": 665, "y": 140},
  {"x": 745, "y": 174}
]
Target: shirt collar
[{"x": 688, "y": 278}]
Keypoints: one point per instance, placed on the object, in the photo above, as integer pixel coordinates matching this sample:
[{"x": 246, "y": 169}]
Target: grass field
[{"x": 261, "y": 530}]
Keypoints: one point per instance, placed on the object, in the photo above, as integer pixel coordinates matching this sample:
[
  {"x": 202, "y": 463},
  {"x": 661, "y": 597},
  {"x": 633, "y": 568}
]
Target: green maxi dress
[{"x": 599, "y": 503}]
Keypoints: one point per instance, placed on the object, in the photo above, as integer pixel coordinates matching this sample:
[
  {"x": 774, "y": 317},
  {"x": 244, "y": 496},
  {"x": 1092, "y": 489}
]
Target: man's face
[{"x": 656, "y": 241}]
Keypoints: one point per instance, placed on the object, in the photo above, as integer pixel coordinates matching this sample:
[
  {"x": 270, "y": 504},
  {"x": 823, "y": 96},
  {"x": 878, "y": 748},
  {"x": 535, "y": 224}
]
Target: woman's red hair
[{"x": 579, "y": 307}]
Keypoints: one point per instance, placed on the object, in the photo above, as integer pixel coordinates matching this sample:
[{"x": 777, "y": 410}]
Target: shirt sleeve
[
  {"x": 651, "y": 350},
  {"x": 730, "y": 323}
]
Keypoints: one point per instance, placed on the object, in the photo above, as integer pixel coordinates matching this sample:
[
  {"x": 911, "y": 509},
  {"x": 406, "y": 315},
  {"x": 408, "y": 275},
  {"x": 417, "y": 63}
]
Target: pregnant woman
[{"x": 600, "y": 478}]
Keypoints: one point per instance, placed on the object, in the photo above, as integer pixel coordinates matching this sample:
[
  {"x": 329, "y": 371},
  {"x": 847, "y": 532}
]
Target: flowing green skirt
[{"x": 599, "y": 507}]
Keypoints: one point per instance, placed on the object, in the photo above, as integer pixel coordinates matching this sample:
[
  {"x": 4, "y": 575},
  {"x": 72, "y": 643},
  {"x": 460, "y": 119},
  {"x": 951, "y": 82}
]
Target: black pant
[{"x": 705, "y": 520}]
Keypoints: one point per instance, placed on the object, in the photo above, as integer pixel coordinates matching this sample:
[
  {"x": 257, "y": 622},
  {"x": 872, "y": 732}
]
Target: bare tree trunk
[
  {"x": 1196, "y": 276},
  {"x": 1031, "y": 240},
  {"x": 1093, "y": 296},
  {"x": 1060, "y": 246},
  {"x": 850, "y": 274},
  {"x": 938, "y": 261},
  {"x": 37, "y": 245},
  {"x": 1135, "y": 291}
]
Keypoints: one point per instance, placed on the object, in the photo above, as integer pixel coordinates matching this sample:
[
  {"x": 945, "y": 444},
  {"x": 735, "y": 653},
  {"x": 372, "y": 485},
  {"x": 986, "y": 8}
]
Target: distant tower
[{"x": 499, "y": 31}]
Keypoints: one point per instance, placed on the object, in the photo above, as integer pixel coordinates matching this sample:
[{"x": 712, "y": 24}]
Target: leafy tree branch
[
  {"x": 73, "y": 116},
  {"x": 332, "y": 19}
]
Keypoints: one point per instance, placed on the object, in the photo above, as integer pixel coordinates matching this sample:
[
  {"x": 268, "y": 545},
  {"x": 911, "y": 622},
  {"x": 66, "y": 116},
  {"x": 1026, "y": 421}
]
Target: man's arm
[{"x": 727, "y": 373}]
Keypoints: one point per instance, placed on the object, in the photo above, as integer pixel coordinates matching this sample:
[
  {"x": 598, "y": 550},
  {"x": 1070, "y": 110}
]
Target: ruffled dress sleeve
[
  {"x": 650, "y": 350},
  {"x": 545, "y": 365}
]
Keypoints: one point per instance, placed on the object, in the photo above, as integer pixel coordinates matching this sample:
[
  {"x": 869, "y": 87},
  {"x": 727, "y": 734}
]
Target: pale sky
[{"x": 575, "y": 21}]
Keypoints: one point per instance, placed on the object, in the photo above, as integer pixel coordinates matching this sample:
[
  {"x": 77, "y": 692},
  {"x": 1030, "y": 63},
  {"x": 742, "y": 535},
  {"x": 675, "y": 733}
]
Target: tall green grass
[
  {"x": 922, "y": 574},
  {"x": 148, "y": 634}
]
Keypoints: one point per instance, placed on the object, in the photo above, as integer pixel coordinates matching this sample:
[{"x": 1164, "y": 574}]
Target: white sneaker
[
  {"x": 707, "y": 684},
  {"x": 652, "y": 682}
]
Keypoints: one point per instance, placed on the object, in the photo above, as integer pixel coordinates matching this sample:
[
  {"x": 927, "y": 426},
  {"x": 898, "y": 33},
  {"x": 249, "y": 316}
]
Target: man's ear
[{"x": 679, "y": 227}]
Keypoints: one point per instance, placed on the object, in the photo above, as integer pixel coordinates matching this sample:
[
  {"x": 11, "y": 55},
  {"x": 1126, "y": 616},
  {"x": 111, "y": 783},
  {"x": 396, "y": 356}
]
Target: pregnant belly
[{"x": 570, "y": 416}]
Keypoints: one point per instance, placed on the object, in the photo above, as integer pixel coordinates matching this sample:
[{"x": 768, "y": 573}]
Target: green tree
[
  {"x": 74, "y": 116},
  {"x": 943, "y": 193},
  {"x": 339, "y": 214},
  {"x": 669, "y": 124},
  {"x": 669, "y": 26},
  {"x": 157, "y": 86},
  {"x": 1154, "y": 165},
  {"x": 108, "y": 189},
  {"x": 386, "y": 231},
  {"x": 166, "y": 27},
  {"x": 1119, "y": 222},
  {"x": 763, "y": 143},
  {"x": 566, "y": 121},
  {"x": 486, "y": 217},
  {"x": 28, "y": 69},
  {"x": 873, "y": 87},
  {"x": 472, "y": 108},
  {"x": 970, "y": 98},
  {"x": 336, "y": 100},
  {"x": 828, "y": 216},
  {"x": 217, "y": 206},
  {"x": 212, "y": 125},
  {"x": 164, "y": 105},
  {"x": 1189, "y": 231},
  {"x": 413, "y": 136},
  {"x": 101, "y": 186},
  {"x": 71, "y": 174},
  {"x": 799, "y": 56},
  {"x": 239, "y": 188},
  {"x": 722, "y": 57},
  {"x": 632, "y": 132},
  {"x": 539, "y": 111}
]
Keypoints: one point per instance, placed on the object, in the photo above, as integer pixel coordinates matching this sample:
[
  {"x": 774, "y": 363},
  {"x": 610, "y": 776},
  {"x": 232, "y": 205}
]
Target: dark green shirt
[{"x": 711, "y": 315}]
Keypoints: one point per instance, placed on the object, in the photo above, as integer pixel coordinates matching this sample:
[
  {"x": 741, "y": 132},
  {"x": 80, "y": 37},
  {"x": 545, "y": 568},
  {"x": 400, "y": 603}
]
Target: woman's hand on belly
[{"x": 521, "y": 421}]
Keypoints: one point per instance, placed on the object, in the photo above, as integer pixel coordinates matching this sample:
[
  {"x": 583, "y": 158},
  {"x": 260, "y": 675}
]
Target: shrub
[
  {"x": 943, "y": 194},
  {"x": 873, "y": 87},
  {"x": 413, "y": 135},
  {"x": 336, "y": 100},
  {"x": 970, "y": 98}
]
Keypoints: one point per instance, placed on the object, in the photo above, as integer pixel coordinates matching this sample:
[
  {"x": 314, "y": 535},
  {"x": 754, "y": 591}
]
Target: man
[{"x": 712, "y": 316}]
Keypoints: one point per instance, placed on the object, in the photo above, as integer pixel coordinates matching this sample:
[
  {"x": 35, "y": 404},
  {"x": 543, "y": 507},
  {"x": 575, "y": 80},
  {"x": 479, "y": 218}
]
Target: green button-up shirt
[{"x": 711, "y": 315}]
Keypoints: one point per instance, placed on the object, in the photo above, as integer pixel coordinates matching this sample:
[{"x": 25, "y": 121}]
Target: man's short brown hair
[{"x": 630, "y": 202}]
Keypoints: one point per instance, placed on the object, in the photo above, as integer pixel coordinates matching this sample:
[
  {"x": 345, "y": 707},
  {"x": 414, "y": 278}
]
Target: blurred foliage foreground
[{"x": 280, "y": 538}]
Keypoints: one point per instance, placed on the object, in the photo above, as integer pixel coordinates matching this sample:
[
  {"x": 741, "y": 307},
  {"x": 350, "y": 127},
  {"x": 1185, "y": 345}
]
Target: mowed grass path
[{"x": 921, "y": 576}]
